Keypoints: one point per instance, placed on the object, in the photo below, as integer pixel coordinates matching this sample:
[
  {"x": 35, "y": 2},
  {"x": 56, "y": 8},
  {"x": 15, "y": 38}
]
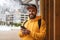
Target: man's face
[{"x": 32, "y": 12}]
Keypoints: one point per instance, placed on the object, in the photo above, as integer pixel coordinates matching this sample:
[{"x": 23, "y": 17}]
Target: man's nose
[{"x": 30, "y": 12}]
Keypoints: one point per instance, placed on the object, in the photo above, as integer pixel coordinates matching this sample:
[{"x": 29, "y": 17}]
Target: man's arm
[
  {"x": 42, "y": 32},
  {"x": 23, "y": 32}
]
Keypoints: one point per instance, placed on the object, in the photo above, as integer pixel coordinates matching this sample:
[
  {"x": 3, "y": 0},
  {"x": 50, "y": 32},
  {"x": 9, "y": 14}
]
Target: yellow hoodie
[{"x": 36, "y": 33}]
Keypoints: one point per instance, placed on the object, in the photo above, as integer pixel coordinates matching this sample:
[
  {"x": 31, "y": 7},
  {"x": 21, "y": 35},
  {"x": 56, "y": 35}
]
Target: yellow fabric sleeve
[{"x": 42, "y": 32}]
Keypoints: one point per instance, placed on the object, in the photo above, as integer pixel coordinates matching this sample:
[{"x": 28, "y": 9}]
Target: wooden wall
[
  {"x": 48, "y": 12},
  {"x": 57, "y": 19}
]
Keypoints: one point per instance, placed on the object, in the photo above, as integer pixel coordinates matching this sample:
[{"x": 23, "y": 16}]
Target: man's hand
[{"x": 25, "y": 31}]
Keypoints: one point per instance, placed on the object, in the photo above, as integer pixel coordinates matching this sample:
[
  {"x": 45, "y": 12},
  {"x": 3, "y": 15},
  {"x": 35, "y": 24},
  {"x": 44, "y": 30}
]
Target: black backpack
[{"x": 39, "y": 23}]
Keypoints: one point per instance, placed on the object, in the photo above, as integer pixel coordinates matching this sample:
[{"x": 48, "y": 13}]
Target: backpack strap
[
  {"x": 39, "y": 23},
  {"x": 25, "y": 22}
]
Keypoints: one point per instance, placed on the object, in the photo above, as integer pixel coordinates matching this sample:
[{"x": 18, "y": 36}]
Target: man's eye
[{"x": 29, "y": 11}]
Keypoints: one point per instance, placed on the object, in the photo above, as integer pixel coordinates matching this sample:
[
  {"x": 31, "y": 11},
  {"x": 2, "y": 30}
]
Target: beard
[{"x": 32, "y": 16}]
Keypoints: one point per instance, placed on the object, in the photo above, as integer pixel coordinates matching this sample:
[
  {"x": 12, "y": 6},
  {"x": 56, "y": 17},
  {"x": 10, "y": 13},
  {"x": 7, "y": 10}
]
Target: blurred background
[{"x": 12, "y": 15}]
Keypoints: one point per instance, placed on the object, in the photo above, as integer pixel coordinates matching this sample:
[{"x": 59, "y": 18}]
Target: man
[{"x": 33, "y": 31}]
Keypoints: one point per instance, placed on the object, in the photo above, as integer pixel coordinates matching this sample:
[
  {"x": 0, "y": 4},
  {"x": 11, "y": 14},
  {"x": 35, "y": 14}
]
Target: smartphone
[{"x": 22, "y": 27}]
